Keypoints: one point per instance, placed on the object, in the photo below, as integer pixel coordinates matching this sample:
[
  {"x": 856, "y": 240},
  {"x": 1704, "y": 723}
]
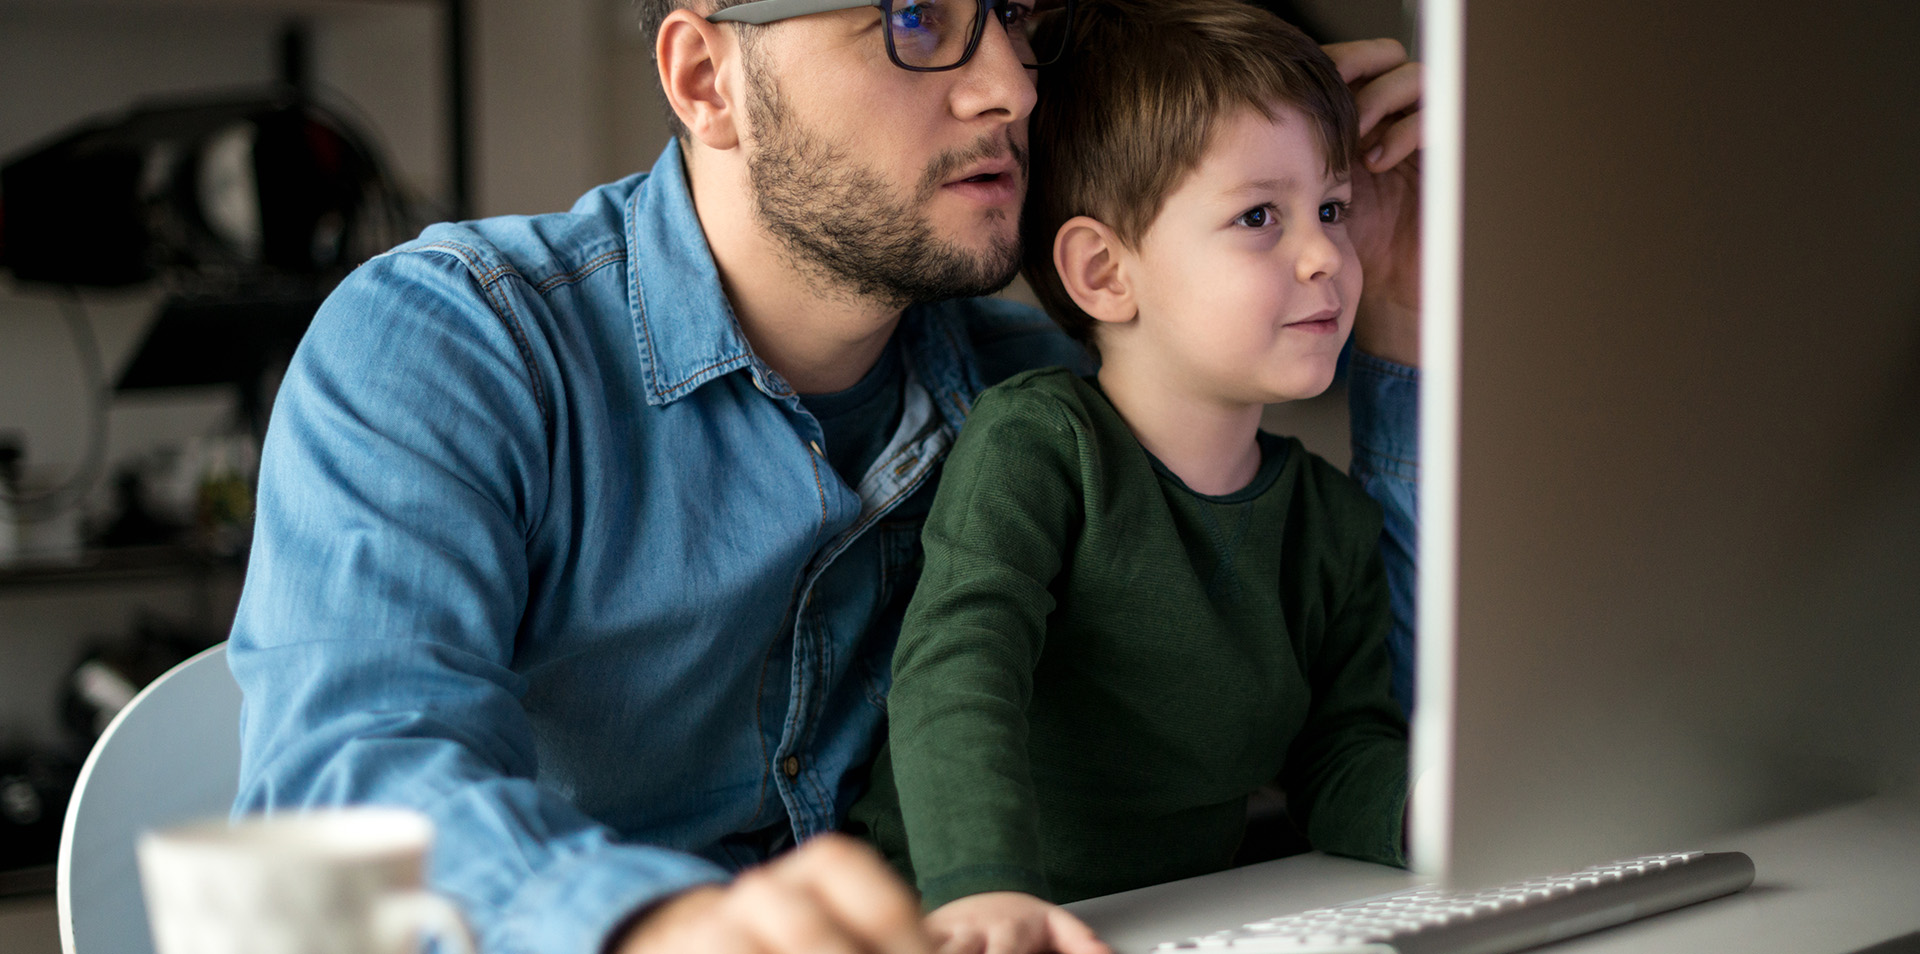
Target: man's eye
[
  {"x": 1334, "y": 212},
  {"x": 1013, "y": 14},
  {"x": 1258, "y": 217},
  {"x": 913, "y": 16}
]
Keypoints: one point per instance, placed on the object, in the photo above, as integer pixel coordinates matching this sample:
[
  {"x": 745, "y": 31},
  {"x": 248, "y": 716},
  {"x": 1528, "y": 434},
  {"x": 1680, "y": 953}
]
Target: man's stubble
[{"x": 836, "y": 218}]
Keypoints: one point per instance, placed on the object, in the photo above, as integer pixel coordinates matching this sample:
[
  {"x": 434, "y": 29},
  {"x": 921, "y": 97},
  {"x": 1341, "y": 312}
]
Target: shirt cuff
[
  {"x": 1383, "y": 400},
  {"x": 578, "y": 903}
]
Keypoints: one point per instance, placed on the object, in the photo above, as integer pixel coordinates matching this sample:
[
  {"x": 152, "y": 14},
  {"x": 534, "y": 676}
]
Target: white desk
[{"x": 1830, "y": 882}]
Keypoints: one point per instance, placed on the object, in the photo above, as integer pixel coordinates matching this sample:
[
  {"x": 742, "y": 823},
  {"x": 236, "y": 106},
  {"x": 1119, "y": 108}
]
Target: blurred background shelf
[{"x": 107, "y": 566}]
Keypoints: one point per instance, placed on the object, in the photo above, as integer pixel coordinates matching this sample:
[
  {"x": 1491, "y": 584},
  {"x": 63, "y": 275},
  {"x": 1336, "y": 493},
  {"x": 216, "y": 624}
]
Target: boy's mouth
[{"x": 1320, "y": 322}]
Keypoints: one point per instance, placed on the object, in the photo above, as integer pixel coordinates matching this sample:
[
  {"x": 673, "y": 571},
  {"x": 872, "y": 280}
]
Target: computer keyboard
[{"x": 1511, "y": 917}]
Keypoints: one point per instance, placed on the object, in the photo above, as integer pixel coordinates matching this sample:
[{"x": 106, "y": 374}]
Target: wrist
[
  {"x": 640, "y": 932},
  {"x": 1389, "y": 332}
]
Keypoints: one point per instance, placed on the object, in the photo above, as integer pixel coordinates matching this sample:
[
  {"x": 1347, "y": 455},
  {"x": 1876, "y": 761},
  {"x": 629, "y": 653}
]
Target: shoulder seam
[{"x": 489, "y": 279}]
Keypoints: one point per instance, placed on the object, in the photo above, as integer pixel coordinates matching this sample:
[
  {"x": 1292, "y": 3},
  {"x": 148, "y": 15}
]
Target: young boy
[{"x": 1137, "y": 608}]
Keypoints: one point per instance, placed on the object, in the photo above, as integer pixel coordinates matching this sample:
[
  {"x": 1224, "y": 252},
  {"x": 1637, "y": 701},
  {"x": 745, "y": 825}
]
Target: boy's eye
[
  {"x": 1334, "y": 212},
  {"x": 1258, "y": 217}
]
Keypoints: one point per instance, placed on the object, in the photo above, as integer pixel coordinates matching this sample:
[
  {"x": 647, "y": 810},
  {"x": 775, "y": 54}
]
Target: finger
[
  {"x": 1401, "y": 139},
  {"x": 1359, "y": 59},
  {"x": 691, "y": 921},
  {"x": 722, "y": 939},
  {"x": 784, "y": 917},
  {"x": 858, "y": 890},
  {"x": 1012, "y": 937},
  {"x": 1070, "y": 935},
  {"x": 962, "y": 939},
  {"x": 1395, "y": 91}
]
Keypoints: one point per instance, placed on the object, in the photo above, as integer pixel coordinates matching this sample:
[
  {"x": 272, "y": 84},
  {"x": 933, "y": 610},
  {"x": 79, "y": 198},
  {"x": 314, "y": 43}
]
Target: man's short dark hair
[{"x": 1131, "y": 110}]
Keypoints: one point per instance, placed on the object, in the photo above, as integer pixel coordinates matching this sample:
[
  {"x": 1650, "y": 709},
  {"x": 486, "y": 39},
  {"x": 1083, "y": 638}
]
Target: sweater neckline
[{"x": 1274, "y": 452}]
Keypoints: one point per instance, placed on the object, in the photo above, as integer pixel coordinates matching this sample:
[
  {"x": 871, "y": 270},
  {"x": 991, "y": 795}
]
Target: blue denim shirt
[
  {"x": 1383, "y": 399},
  {"x": 545, "y": 551}
]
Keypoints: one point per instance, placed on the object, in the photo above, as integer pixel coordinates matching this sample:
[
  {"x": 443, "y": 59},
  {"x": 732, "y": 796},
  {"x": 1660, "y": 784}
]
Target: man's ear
[
  {"x": 1091, "y": 262},
  {"x": 693, "y": 57}
]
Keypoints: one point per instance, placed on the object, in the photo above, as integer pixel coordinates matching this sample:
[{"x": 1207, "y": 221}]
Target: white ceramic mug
[{"x": 333, "y": 881}]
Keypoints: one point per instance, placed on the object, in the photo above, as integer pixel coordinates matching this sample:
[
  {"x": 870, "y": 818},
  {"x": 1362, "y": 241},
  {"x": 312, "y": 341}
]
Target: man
[{"x": 588, "y": 534}]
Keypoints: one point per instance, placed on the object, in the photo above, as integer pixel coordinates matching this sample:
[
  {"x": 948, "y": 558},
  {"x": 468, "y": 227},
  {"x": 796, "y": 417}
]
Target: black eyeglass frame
[{"x": 759, "y": 12}]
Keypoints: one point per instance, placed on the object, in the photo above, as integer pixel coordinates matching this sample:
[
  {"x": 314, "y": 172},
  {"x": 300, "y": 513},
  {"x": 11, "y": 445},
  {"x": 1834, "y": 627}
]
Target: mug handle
[{"x": 399, "y": 919}]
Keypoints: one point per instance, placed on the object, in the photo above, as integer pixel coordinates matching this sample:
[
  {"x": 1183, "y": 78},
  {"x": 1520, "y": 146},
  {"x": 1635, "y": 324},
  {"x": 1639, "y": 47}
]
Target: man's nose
[{"x": 993, "y": 84}]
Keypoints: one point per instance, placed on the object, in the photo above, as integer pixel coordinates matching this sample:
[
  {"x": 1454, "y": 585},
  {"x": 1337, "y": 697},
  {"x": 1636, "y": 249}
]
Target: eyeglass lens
[{"x": 936, "y": 34}]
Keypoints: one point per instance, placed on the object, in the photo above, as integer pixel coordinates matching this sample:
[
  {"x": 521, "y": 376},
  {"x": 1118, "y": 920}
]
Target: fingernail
[{"x": 1374, "y": 154}]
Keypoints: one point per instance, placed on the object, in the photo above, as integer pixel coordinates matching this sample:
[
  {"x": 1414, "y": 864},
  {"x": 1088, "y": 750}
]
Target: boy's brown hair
[{"x": 1130, "y": 110}]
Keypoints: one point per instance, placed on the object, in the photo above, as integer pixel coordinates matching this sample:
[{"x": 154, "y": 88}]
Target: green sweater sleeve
[
  {"x": 1346, "y": 772},
  {"x": 963, "y": 672}
]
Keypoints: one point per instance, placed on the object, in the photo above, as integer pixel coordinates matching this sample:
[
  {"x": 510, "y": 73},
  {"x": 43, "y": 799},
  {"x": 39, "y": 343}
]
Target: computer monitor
[{"x": 1671, "y": 423}]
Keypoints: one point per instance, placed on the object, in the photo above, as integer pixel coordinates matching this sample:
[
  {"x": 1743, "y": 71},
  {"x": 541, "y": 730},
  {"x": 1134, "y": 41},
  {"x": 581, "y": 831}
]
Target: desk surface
[{"x": 1829, "y": 882}]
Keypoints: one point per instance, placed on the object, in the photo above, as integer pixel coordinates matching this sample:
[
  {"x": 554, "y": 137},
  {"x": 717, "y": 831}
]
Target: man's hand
[
  {"x": 832, "y": 895},
  {"x": 1386, "y": 192},
  {"x": 1009, "y": 922}
]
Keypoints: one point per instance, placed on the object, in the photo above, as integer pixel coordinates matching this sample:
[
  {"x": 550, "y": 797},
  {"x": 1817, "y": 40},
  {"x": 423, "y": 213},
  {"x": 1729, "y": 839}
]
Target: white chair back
[{"x": 172, "y": 755}]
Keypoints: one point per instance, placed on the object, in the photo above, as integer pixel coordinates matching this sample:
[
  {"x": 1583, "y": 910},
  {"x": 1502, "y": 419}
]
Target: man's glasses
[{"x": 927, "y": 36}]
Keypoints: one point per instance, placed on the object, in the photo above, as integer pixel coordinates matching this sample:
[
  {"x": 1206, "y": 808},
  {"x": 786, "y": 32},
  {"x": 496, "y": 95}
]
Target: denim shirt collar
[
  {"x": 686, "y": 331},
  {"x": 682, "y": 323}
]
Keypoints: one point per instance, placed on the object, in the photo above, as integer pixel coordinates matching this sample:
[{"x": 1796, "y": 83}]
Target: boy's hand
[
  {"x": 831, "y": 895},
  {"x": 1009, "y": 922},
  {"x": 1386, "y": 192}
]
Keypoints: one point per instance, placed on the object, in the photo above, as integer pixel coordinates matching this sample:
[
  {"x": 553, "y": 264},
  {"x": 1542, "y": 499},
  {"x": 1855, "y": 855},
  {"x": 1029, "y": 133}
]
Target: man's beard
[{"x": 836, "y": 219}]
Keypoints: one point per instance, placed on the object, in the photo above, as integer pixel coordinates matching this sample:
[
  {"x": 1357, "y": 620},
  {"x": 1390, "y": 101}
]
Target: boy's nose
[{"x": 1319, "y": 255}]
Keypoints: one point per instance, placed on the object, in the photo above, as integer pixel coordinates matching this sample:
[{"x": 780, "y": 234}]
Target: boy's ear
[
  {"x": 694, "y": 57},
  {"x": 1088, "y": 256}
]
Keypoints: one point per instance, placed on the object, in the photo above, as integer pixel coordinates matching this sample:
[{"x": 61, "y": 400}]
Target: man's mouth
[
  {"x": 989, "y": 170},
  {"x": 993, "y": 181}
]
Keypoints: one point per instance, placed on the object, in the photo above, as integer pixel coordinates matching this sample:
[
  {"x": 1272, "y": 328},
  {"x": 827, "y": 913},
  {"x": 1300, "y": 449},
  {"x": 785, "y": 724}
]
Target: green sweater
[{"x": 1100, "y": 665}]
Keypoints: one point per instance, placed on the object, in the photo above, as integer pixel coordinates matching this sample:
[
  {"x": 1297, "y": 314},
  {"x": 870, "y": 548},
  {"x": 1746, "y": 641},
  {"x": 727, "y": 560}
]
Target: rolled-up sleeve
[
  {"x": 1384, "y": 403},
  {"x": 405, "y": 467}
]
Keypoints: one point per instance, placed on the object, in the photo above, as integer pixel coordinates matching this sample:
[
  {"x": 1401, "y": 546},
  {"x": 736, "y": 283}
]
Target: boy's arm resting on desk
[
  {"x": 407, "y": 460},
  {"x": 963, "y": 672},
  {"x": 1346, "y": 772}
]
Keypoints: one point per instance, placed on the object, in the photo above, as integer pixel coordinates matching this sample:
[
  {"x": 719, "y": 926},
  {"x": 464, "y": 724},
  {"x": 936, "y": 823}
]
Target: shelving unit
[
  {"x": 50, "y": 611},
  {"x": 105, "y": 567}
]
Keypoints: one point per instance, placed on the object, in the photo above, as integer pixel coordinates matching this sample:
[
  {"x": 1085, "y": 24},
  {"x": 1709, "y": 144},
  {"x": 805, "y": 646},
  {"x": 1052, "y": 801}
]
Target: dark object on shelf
[
  {"x": 261, "y": 181},
  {"x": 10, "y": 454},
  {"x": 266, "y": 182},
  {"x": 34, "y": 788},
  {"x": 245, "y": 340},
  {"x": 133, "y": 524},
  {"x": 200, "y": 341}
]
